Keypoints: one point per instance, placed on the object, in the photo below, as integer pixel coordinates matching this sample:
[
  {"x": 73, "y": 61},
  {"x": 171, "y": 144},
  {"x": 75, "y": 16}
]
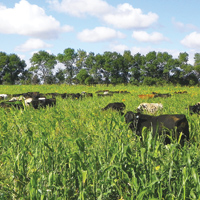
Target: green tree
[
  {"x": 68, "y": 58},
  {"x": 35, "y": 80},
  {"x": 197, "y": 64},
  {"x": 42, "y": 63},
  {"x": 82, "y": 75},
  {"x": 165, "y": 64},
  {"x": 11, "y": 67},
  {"x": 81, "y": 59},
  {"x": 60, "y": 76},
  {"x": 26, "y": 77},
  {"x": 185, "y": 69},
  {"x": 150, "y": 68},
  {"x": 96, "y": 66},
  {"x": 135, "y": 69},
  {"x": 89, "y": 80}
]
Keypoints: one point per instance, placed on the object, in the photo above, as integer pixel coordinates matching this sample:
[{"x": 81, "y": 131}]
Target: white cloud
[
  {"x": 99, "y": 34},
  {"x": 32, "y": 44},
  {"x": 192, "y": 40},
  {"x": 120, "y": 48},
  {"x": 123, "y": 16},
  {"x": 30, "y": 20},
  {"x": 80, "y": 8},
  {"x": 127, "y": 17},
  {"x": 184, "y": 27},
  {"x": 143, "y": 36}
]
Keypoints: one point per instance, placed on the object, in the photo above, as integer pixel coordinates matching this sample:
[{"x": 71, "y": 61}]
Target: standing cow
[{"x": 162, "y": 124}]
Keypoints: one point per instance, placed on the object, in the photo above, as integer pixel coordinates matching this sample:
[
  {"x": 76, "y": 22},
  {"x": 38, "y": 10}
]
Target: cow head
[{"x": 132, "y": 118}]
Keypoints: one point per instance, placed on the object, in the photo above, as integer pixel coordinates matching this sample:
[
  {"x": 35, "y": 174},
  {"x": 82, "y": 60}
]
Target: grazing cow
[
  {"x": 86, "y": 94},
  {"x": 104, "y": 95},
  {"x": 99, "y": 91},
  {"x": 161, "y": 95},
  {"x": 76, "y": 96},
  {"x": 36, "y": 103},
  {"x": 149, "y": 107},
  {"x": 162, "y": 124},
  {"x": 146, "y": 96},
  {"x": 124, "y": 92},
  {"x": 19, "y": 98},
  {"x": 3, "y": 96},
  {"x": 180, "y": 92},
  {"x": 28, "y": 101},
  {"x": 195, "y": 109},
  {"x": 116, "y": 106},
  {"x": 117, "y": 92}
]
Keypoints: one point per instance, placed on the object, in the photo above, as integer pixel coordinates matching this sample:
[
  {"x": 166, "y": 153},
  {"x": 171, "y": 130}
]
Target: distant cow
[
  {"x": 162, "y": 124},
  {"x": 161, "y": 95},
  {"x": 86, "y": 94},
  {"x": 115, "y": 106},
  {"x": 43, "y": 103},
  {"x": 150, "y": 107},
  {"x": 3, "y": 96},
  {"x": 19, "y": 98},
  {"x": 195, "y": 109},
  {"x": 180, "y": 92},
  {"x": 104, "y": 95},
  {"x": 76, "y": 96},
  {"x": 146, "y": 96}
]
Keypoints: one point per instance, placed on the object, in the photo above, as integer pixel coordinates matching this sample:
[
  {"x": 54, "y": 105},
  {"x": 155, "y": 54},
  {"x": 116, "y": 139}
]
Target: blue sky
[{"x": 27, "y": 26}]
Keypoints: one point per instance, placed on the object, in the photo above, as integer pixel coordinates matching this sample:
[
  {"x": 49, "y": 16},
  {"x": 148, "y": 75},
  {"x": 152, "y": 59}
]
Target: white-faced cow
[
  {"x": 3, "y": 96},
  {"x": 150, "y": 107},
  {"x": 164, "y": 125}
]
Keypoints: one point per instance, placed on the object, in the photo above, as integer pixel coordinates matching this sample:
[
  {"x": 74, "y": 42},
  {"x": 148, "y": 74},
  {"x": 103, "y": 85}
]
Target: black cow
[
  {"x": 162, "y": 95},
  {"x": 162, "y": 124},
  {"x": 104, "y": 95},
  {"x": 43, "y": 103},
  {"x": 195, "y": 109},
  {"x": 76, "y": 96},
  {"x": 115, "y": 106}
]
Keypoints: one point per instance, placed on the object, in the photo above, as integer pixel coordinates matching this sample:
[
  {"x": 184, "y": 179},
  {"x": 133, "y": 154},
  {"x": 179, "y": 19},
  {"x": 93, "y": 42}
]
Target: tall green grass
[{"x": 76, "y": 151}]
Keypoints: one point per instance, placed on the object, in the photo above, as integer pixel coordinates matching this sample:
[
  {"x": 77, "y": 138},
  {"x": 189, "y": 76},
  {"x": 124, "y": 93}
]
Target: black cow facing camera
[{"x": 162, "y": 124}]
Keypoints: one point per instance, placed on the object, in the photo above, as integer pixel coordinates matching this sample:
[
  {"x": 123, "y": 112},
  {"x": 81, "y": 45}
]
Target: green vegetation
[
  {"x": 76, "y": 151},
  {"x": 80, "y": 67}
]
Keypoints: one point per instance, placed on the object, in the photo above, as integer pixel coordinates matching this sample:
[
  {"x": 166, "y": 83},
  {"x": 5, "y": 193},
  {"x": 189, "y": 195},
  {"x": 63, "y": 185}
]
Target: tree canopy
[{"x": 80, "y": 67}]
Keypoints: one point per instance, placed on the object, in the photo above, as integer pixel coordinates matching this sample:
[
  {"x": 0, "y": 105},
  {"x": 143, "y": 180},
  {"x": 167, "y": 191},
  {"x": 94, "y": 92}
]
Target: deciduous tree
[{"x": 42, "y": 63}]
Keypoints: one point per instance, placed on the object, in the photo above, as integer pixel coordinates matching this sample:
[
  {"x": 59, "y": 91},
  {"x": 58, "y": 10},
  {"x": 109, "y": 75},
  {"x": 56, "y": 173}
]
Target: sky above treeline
[{"x": 141, "y": 26}]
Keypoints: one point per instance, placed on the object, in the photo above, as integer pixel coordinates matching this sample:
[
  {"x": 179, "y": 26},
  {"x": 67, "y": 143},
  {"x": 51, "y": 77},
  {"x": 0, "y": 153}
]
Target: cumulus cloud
[
  {"x": 143, "y": 36},
  {"x": 120, "y": 48},
  {"x": 123, "y": 16},
  {"x": 192, "y": 40},
  {"x": 184, "y": 27},
  {"x": 80, "y": 8},
  {"x": 32, "y": 44},
  {"x": 99, "y": 34},
  {"x": 127, "y": 17},
  {"x": 30, "y": 20}
]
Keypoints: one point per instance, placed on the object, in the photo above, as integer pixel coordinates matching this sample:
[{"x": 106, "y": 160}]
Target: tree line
[{"x": 80, "y": 67}]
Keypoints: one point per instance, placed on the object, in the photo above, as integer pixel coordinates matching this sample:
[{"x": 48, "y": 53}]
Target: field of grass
[{"x": 76, "y": 151}]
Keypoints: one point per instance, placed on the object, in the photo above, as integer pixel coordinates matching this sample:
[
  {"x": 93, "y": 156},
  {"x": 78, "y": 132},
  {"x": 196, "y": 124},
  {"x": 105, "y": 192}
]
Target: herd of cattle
[{"x": 174, "y": 125}]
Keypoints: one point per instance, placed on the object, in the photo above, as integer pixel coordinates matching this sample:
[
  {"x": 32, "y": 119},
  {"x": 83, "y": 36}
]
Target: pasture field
[{"x": 76, "y": 151}]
